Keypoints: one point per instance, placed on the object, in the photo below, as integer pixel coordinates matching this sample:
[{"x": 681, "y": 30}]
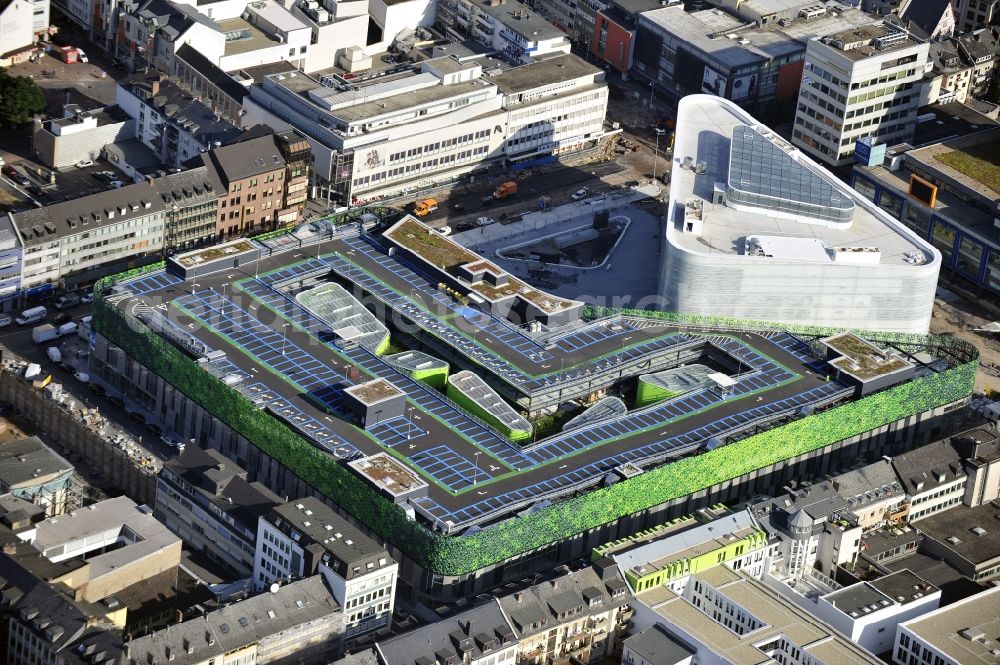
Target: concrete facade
[
  {"x": 63, "y": 142},
  {"x": 855, "y": 84}
]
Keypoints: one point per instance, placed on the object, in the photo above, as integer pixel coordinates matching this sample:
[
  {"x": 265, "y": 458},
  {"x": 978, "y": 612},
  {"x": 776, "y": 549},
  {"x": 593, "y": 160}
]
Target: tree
[{"x": 20, "y": 99}]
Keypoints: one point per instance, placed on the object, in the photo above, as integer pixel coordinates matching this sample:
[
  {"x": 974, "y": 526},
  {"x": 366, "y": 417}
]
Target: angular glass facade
[{"x": 762, "y": 175}]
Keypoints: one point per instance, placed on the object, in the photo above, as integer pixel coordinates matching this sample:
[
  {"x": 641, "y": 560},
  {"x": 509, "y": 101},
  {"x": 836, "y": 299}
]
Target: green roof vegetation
[
  {"x": 980, "y": 162},
  {"x": 511, "y": 538}
]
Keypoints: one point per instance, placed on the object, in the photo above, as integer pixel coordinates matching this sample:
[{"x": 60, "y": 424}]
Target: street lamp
[
  {"x": 652, "y": 89},
  {"x": 475, "y": 478},
  {"x": 656, "y": 151},
  {"x": 284, "y": 326}
]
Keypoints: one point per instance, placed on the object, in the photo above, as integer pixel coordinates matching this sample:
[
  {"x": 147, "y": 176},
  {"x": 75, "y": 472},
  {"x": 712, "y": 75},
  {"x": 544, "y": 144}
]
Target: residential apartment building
[
  {"x": 613, "y": 28},
  {"x": 962, "y": 633},
  {"x": 190, "y": 206},
  {"x": 479, "y": 636},
  {"x": 121, "y": 542},
  {"x": 32, "y": 471},
  {"x": 858, "y": 83},
  {"x": 578, "y": 615},
  {"x": 170, "y": 121},
  {"x": 507, "y": 26},
  {"x": 205, "y": 499},
  {"x": 306, "y": 537},
  {"x": 933, "y": 478},
  {"x": 10, "y": 264},
  {"x": 265, "y": 178},
  {"x": 733, "y": 51},
  {"x": 97, "y": 18},
  {"x": 813, "y": 531},
  {"x": 232, "y": 35},
  {"x": 73, "y": 243},
  {"x": 735, "y": 540},
  {"x": 954, "y": 211},
  {"x": 296, "y": 622},
  {"x": 17, "y": 31},
  {"x": 726, "y": 616},
  {"x": 444, "y": 118},
  {"x": 873, "y": 494},
  {"x": 972, "y": 14}
]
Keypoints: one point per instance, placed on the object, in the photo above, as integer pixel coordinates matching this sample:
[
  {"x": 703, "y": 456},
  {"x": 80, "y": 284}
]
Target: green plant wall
[{"x": 458, "y": 555}]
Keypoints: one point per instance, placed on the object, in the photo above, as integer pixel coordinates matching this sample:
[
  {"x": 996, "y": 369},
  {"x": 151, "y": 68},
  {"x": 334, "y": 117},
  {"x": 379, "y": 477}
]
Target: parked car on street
[
  {"x": 485, "y": 221},
  {"x": 580, "y": 194},
  {"x": 84, "y": 163}
]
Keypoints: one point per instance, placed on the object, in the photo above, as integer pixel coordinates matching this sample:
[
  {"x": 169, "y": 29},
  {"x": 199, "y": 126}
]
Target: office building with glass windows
[
  {"x": 858, "y": 83},
  {"x": 758, "y": 231},
  {"x": 935, "y": 193}
]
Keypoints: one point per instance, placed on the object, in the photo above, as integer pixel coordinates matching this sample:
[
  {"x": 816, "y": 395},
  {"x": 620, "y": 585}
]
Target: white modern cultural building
[{"x": 757, "y": 230}]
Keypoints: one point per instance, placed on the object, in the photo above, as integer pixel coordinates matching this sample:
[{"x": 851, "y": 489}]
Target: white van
[
  {"x": 5, "y": 320},
  {"x": 54, "y": 354},
  {"x": 32, "y": 315}
]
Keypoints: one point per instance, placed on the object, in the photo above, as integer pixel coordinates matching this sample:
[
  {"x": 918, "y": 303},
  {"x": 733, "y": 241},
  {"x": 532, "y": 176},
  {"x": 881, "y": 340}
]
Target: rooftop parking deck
[{"x": 475, "y": 475}]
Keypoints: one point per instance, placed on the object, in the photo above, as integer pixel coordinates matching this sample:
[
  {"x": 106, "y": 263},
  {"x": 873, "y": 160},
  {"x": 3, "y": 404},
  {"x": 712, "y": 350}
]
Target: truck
[
  {"x": 67, "y": 300},
  {"x": 32, "y": 315},
  {"x": 425, "y": 207},
  {"x": 68, "y": 329},
  {"x": 44, "y": 333},
  {"x": 505, "y": 190},
  {"x": 67, "y": 54}
]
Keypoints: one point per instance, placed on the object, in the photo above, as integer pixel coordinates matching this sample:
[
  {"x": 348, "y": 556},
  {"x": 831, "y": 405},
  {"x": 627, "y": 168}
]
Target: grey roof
[
  {"x": 657, "y": 647},
  {"x": 903, "y": 586},
  {"x": 684, "y": 540},
  {"x": 807, "y": 505},
  {"x": 237, "y": 625},
  {"x": 479, "y": 631},
  {"x": 543, "y": 72},
  {"x": 925, "y": 14},
  {"x": 244, "y": 159},
  {"x": 219, "y": 78},
  {"x": 26, "y": 460},
  {"x": 347, "y": 545},
  {"x": 538, "y": 608},
  {"x": 520, "y": 19},
  {"x": 972, "y": 533},
  {"x": 148, "y": 536},
  {"x": 858, "y": 600},
  {"x": 367, "y": 657},
  {"x": 181, "y": 108},
  {"x": 221, "y": 482},
  {"x": 927, "y": 467},
  {"x": 870, "y": 484},
  {"x": 190, "y": 187},
  {"x": 979, "y": 44},
  {"x": 68, "y": 218}
]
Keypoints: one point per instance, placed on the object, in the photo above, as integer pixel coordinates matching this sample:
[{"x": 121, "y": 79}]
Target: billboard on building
[
  {"x": 713, "y": 82},
  {"x": 923, "y": 190},
  {"x": 744, "y": 87}
]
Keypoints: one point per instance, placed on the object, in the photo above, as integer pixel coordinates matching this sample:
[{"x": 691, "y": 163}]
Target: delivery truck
[
  {"x": 425, "y": 207},
  {"x": 68, "y": 329},
  {"x": 33, "y": 315},
  {"x": 44, "y": 333},
  {"x": 505, "y": 190}
]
